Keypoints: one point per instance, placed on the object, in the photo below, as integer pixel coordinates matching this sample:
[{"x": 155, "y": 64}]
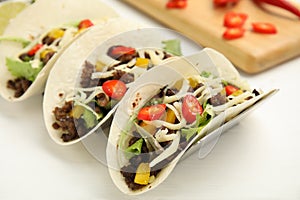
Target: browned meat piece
[{"x": 19, "y": 85}]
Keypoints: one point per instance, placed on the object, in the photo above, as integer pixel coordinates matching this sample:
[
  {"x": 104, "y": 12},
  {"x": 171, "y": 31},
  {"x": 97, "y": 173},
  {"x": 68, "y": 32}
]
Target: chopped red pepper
[
  {"x": 233, "y": 33},
  {"x": 34, "y": 49},
  {"x": 264, "y": 27},
  {"x": 233, "y": 19},
  {"x": 86, "y": 23},
  {"x": 119, "y": 50},
  {"x": 224, "y": 3},
  {"x": 284, "y": 4},
  {"x": 230, "y": 89},
  {"x": 176, "y": 4}
]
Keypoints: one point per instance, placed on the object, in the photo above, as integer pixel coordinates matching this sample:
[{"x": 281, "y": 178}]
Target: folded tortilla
[
  {"x": 143, "y": 149},
  {"x": 34, "y": 40},
  {"x": 75, "y": 100}
]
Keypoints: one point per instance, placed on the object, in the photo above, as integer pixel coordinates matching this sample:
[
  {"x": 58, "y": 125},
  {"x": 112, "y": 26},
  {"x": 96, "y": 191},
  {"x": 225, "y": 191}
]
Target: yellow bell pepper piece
[
  {"x": 100, "y": 66},
  {"x": 142, "y": 174},
  {"x": 142, "y": 62},
  {"x": 45, "y": 52},
  {"x": 56, "y": 33},
  {"x": 149, "y": 128},
  {"x": 237, "y": 93},
  {"x": 171, "y": 117},
  {"x": 77, "y": 111},
  {"x": 193, "y": 83}
]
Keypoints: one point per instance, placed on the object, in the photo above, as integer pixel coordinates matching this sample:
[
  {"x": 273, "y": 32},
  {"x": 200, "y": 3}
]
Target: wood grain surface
[{"x": 203, "y": 23}]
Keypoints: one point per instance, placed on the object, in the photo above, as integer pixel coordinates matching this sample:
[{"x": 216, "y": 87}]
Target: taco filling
[
  {"x": 102, "y": 86},
  {"x": 27, "y": 64},
  {"x": 160, "y": 129}
]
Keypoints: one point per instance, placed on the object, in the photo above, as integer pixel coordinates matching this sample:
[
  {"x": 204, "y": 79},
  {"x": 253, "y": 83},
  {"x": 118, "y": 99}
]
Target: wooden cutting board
[{"x": 203, "y": 23}]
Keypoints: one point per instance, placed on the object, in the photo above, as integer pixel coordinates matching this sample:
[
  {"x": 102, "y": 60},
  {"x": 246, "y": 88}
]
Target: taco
[
  {"x": 78, "y": 101},
  {"x": 163, "y": 116},
  {"x": 36, "y": 37}
]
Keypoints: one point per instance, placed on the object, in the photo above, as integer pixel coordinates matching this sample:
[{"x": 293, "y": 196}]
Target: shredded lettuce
[
  {"x": 136, "y": 148},
  {"x": 22, "y": 41},
  {"x": 89, "y": 118},
  {"x": 22, "y": 69},
  {"x": 205, "y": 74},
  {"x": 201, "y": 121},
  {"x": 172, "y": 46}
]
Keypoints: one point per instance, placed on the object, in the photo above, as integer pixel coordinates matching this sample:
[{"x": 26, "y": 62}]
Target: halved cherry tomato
[
  {"x": 223, "y": 3},
  {"x": 230, "y": 89},
  {"x": 34, "y": 49},
  {"x": 114, "y": 88},
  {"x": 176, "y": 4},
  {"x": 264, "y": 27},
  {"x": 117, "y": 51},
  {"x": 86, "y": 23},
  {"x": 151, "y": 113},
  {"x": 233, "y": 19},
  {"x": 190, "y": 108},
  {"x": 233, "y": 33}
]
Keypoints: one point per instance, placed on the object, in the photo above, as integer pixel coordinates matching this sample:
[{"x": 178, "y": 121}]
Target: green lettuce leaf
[
  {"x": 173, "y": 47},
  {"x": 136, "y": 148},
  {"x": 22, "y": 41},
  {"x": 22, "y": 69},
  {"x": 89, "y": 118},
  {"x": 201, "y": 122}
]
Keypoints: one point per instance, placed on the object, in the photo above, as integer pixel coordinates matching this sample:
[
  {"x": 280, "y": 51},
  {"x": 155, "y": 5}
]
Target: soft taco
[
  {"x": 168, "y": 110},
  {"x": 78, "y": 101},
  {"x": 34, "y": 40}
]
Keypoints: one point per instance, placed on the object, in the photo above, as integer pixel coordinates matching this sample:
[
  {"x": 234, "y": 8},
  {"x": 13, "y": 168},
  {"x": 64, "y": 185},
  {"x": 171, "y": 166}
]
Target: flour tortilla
[
  {"x": 35, "y": 20},
  {"x": 63, "y": 76},
  {"x": 147, "y": 85}
]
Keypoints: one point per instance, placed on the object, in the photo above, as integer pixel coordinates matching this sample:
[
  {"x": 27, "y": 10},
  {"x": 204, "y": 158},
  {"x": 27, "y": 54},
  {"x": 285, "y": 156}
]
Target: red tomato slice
[
  {"x": 34, "y": 49},
  {"x": 114, "y": 88},
  {"x": 117, "y": 51},
  {"x": 230, "y": 89},
  {"x": 151, "y": 113},
  {"x": 264, "y": 27},
  {"x": 190, "y": 108},
  {"x": 86, "y": 23},
  {"x": 233, "y": 19},
  {"x": 223, "y": 3},
  {"x": 233, "y": 33}
]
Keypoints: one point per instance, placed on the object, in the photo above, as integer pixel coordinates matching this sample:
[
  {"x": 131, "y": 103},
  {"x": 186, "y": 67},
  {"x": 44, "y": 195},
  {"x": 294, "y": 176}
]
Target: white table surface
[{"x": 259, "y": 159}]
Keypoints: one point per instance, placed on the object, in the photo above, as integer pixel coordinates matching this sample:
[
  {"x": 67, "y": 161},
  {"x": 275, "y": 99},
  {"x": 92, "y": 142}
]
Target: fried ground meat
[
  {"x": 48, "y": 40},
  {"x": 129, "y": 171},
  {"x": 123, "y": 76},
  {"x": 25, "y": 57},
  {"x": 19, "y": 85},
  {"x": 48, "y": 56},
  {"x": 218, "y": 100},
  {"x": 71, "y": 128},
  {"x": 86, "y": 76}
]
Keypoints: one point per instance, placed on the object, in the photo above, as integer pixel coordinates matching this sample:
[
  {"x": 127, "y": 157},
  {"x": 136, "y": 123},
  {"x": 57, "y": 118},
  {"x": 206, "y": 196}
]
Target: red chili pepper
[
  {"x": 224, "y": 3},
  {"x": 233, "y": 33},
  {"x": 176, "y": 4},
  {"x": 284, "y": 4},
  {"x": 233, "y": 19},
  {"x": 86, "y": 23},
  {"x": 34, "y": 49},
  {"x": 264, "y": 27}
]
